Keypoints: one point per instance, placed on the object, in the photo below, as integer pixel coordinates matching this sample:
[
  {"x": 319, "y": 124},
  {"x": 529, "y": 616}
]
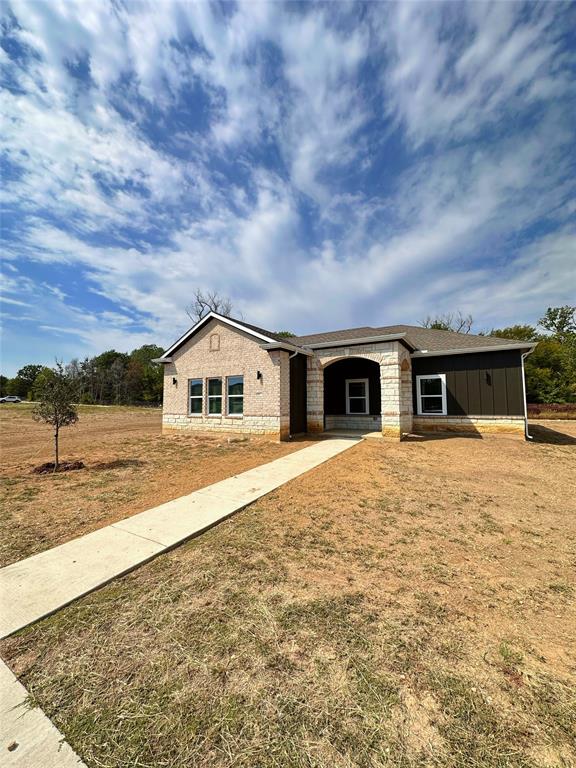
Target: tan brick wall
[
  {"x": 218, "y": 350},
  {"x": 511, "y": 425}
]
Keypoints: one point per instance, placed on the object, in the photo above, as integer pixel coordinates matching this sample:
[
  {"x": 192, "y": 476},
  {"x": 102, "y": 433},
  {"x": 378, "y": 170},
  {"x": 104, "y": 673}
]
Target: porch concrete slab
[
  {"x": 39, "y": 585},
  {"x": 355, "y": 433},
  {"x": 27, "y": 737}
]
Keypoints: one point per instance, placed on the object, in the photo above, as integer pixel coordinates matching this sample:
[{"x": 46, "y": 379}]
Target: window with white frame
[
  {"x": 235, "y": 386},
  {"x": 195, "y": 397},
  {"x": 431, "y": 394},
  {"x": 214, "y": 397},
  {"x": 357, "y": 397}
]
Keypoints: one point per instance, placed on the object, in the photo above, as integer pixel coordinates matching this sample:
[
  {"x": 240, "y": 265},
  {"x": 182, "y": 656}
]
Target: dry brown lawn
[
  {"x": 404, "y": 605},
  {"x": 130, "y": 467}
]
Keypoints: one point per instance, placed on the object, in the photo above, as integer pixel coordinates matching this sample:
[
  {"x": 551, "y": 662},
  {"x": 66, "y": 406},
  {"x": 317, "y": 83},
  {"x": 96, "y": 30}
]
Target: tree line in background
[
  {"x": 112, "y": 378},
  {"x": 119, "y": 378}
]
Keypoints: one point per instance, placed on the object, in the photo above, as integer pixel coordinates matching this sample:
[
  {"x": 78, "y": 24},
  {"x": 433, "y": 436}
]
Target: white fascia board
[
  {"x": 468, "y": 350},
  {"x": 360, "y": 340},
  {"x": 205, "y": 319},
  {"x": 161, "y": 360}
]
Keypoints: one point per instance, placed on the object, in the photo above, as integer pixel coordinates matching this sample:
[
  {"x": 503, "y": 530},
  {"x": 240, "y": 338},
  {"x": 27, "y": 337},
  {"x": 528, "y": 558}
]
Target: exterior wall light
[
  {"x": 175, "y": 381},
  {"x": 259, "y": 375}
]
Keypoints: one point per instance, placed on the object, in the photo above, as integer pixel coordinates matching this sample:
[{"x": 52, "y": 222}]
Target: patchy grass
[
  {"x": 403, "y": 605},
  {"x": 129, "y": 467}
]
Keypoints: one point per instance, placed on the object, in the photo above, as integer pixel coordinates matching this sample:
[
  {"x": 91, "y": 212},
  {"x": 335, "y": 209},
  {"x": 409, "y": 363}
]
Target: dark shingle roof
[
  {"x": 428, "y": 339},
  {"x": 263, "y": 331},
  {"x": 420, "y": 339},
  {"x": 344, "y": 335}
]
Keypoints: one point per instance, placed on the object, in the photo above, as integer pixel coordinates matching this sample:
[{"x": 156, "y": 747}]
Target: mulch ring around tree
[{"x": 63, "y": 466}]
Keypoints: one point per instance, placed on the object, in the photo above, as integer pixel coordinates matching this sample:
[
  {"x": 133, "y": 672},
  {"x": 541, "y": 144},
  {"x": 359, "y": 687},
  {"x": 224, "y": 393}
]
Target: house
[{"x": 227, "y": 375}]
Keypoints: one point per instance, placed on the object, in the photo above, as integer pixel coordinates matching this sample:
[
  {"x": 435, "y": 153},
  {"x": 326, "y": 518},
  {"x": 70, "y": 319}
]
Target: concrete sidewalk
[
  {"x": 40, "y": 585},
  {"x": 28, "y": 739}
]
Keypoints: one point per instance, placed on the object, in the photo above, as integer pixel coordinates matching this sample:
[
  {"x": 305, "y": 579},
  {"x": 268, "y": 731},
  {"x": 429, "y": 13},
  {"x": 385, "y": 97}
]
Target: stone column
[
  {"x": 406, "y": 400},
  {"x": 396, "y": 393},
  {"x": 315, "y": 395}
]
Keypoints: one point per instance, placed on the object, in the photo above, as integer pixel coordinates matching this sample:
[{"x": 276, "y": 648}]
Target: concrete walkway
[
  {"x": 41, "y": 584},
  {"x": 27, "y": 737}
]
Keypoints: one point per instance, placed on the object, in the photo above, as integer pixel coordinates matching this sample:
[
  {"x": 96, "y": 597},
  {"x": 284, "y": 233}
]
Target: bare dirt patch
[
  {"x": 129, "y": 466},
  {"x": 403, "y": 605}
]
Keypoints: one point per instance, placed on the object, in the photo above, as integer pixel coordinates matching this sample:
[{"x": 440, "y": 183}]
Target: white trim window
[
  {"x": 431, "y": 394},
  {"x": 235, "y": 391},
  {"x": 214, "y": 397},
  {"x": 357, "y": 397},
  {"x": 195, "y": 397}
]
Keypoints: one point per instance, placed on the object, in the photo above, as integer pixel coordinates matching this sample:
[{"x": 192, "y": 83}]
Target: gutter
[
  {"x": 468, "y": 350},
  {"x": 288, "y": 347},
  {"x": 161, "y": 360},
  {"x": 362, "y": 340}
]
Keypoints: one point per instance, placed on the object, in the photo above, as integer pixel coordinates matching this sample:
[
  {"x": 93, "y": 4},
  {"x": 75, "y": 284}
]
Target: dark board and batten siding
[
  {"x": 480, "y": 384},
  {"x": 335, "y": 376},
  {"x": 298, "y": 394}
]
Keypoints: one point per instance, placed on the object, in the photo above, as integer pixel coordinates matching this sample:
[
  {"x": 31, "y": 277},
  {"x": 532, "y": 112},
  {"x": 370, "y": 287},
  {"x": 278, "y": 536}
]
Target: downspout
[{"x": 523, "y": 356}]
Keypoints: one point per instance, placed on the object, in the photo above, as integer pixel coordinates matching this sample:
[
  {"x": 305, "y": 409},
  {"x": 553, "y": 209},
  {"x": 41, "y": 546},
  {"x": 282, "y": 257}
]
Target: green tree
[
  {"x": 38, "y": 383},
  {"x": 57, "y": 393},
  {"x": 560, "y": 321},
  {"x": 551, "y": 368},
  {"x": 109, "y": 369},
  {"x": 520, "y": 332},
  {"x": 21, "y": 384},
  {"x": 3, "y": 383},
  {"x": 145, "y": 379},
  {"x": 286, "y": 334}
]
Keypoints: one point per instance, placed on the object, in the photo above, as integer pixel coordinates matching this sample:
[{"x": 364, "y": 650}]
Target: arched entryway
[{"x": 352, "y": 398}]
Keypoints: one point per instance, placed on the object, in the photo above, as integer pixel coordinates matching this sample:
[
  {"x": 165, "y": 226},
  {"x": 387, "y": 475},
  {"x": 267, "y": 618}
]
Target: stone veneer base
[
  {"x": 486, "y": 425},
  {"x": 367, "y": 423},
  {"x": 252, "y": 425}
]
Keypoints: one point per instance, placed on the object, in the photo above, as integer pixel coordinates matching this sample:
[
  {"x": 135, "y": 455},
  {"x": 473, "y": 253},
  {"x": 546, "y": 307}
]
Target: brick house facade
[{"x": 227, "y": 375}]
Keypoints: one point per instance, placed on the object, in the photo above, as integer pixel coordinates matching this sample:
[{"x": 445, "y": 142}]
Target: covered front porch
[
  {"x": 352, "y": 395},
  {"x": 365, "y": 390}
]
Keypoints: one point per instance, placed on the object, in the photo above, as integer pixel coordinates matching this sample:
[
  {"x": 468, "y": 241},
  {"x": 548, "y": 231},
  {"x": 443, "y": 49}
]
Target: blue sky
[{"x": 323, "y": 165}]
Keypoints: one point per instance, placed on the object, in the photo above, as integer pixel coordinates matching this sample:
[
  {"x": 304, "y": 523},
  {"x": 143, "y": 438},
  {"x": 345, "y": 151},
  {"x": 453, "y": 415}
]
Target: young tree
[
  {"x": 39, "y": 382},
  {"x": 449, "y": 321},
  {"x": 208, "y": 301},
  {"x": 56, "y": 391}
]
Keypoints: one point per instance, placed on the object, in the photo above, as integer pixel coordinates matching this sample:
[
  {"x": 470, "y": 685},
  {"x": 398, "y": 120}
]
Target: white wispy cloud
[{"x": 351, "y": 165}]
